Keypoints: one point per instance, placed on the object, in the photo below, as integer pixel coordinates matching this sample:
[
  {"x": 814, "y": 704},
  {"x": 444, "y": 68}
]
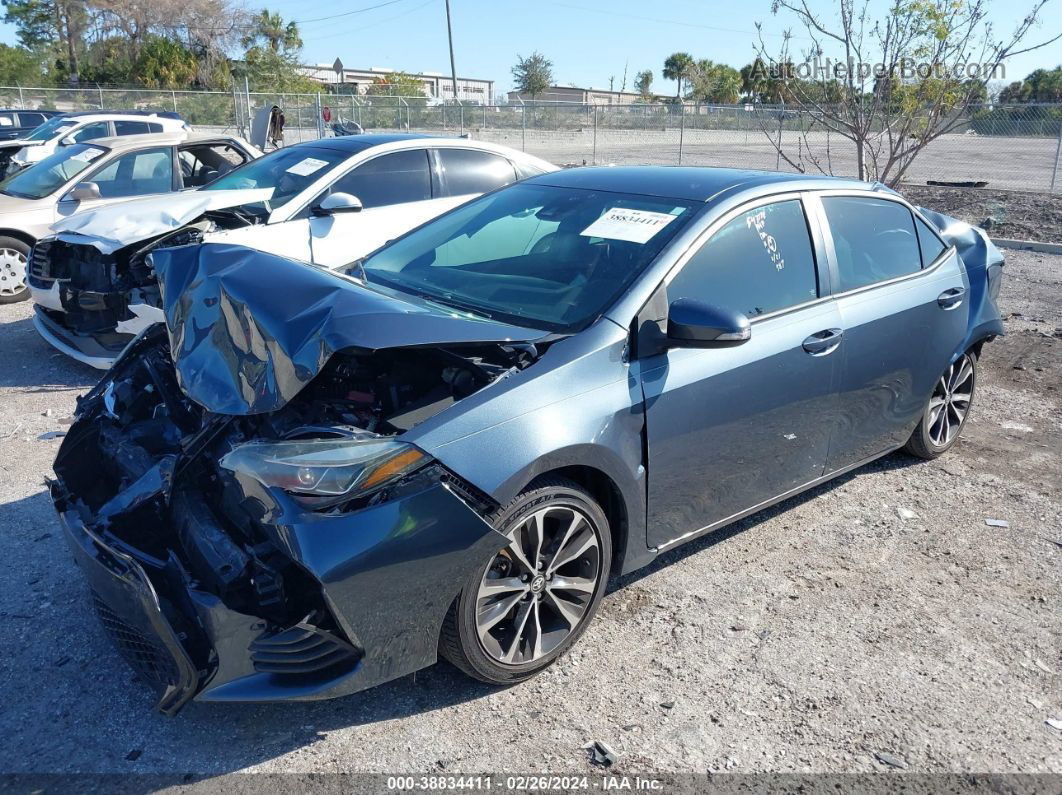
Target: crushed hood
[
  {"x": 248, "y": 330},
  {"x": 116, "y": 225}
]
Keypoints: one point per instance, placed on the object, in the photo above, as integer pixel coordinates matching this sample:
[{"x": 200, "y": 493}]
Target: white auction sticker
[
  {"x": 634, "y": 226},
  {"x": 307, "y": 166},
  {"x": 88, "y": 155}
]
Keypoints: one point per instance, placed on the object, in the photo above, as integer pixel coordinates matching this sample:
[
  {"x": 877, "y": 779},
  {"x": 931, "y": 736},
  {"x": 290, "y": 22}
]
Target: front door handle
[
  {"x": 823, "y": 342},
  {"x": 951, "y": 299}
]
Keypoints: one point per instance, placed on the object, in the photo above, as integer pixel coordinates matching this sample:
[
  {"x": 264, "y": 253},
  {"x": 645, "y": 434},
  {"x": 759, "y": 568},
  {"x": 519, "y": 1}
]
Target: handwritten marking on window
[{"x": 758, "y": 221}]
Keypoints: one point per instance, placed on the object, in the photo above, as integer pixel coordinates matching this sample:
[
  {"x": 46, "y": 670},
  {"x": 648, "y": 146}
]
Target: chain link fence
[{"x": 1017, "y": 147}]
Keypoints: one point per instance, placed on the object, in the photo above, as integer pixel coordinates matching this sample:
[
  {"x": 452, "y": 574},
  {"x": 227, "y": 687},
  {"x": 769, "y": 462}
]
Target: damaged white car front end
[{"x": 92, "y": 288}]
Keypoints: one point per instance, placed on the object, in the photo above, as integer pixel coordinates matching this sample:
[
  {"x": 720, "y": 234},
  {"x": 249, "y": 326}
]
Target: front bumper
[
  {"x": 387, "y": 575},
  {"x": 82, "y": 347}
]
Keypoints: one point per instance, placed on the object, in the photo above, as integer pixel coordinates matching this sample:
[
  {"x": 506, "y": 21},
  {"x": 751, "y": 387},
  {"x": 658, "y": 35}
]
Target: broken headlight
[{"x": 318, "y": 471}]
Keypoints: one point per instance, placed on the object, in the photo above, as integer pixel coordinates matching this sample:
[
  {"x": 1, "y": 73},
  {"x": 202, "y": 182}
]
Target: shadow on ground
[{"x": 32, "y": 365}]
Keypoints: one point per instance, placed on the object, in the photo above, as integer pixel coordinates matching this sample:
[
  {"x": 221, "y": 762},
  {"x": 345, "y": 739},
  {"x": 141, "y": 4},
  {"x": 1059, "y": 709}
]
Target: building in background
[
  {"x": 581, "y": 96},
  {"x": 437, "y": 86}
]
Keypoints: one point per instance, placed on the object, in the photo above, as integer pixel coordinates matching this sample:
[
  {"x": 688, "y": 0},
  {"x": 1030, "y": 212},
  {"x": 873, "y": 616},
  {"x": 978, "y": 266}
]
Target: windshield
[
  {"x": 540, "y": 256},
  {"x": 47, "y": 176},
  {"x": 289, "y": 171},
  {"x": 51, "y": 128}
]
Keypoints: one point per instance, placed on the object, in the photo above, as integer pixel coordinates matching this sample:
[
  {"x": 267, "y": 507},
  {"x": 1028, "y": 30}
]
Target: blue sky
[{"x": 587, "y": 40}]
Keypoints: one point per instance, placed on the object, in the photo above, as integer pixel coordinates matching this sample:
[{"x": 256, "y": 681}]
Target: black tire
[
  {"x": 460, "y": 642},
  {"x": 927, "y": 441},
  {"x": 10, "y": 293}
]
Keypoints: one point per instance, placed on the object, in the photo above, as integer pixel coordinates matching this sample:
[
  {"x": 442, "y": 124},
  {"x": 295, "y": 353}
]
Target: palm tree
[
  {"x": 270, "y": 27},
  {"x": 678, "y": 67}
]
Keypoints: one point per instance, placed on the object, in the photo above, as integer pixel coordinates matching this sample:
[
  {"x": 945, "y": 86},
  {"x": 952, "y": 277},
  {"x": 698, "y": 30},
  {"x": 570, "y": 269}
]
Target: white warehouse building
[{"x": 437, "y": 86}]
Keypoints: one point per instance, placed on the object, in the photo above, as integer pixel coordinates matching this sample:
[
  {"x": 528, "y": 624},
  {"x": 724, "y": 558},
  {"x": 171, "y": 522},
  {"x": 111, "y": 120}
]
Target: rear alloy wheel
[
  {"x": 946, "y": 411},
  {"x": 13, "y": 256},
  {"x": 534, "y": 598}
]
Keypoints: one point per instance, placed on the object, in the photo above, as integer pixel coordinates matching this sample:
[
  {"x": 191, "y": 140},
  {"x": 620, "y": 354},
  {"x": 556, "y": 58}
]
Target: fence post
[
  {"x": 320, "y": 118},
  {"x": 778, "y": 149},
  {"x": 173, "y": 96},
  {"x": 100, "y": 90},
  {"x": 1058, "y": 154},
  {"x": 462, "y": 120},
  {"x": 21, "y": 101},
  {"x": 593, "y": 159},
  {"x": 682, "y": 128},
  {"x": 523, "y": 126}
]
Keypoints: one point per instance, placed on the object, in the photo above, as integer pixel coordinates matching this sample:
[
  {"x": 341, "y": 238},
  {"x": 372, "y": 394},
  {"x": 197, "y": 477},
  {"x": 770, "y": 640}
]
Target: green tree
[
  {"x": 643, "y": 83},
  {"x": 165, "y": 63},
  {"x": 715, "y": 82},
  {"x": 532, "y": 75},
  {"x": 18, "y": 66},
  {"x": 397, "y": 84},
  {"x": 268, "y": 27},
  {"x": 678, "y": 66}
]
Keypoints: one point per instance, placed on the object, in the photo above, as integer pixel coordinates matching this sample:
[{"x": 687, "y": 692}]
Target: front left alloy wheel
[{"x": 535, "y": 597}]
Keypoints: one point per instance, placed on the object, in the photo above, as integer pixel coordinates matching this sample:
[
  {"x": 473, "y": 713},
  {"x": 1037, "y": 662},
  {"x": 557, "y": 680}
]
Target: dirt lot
[
  {"x": 827, "y": 634},
  {"x": 1013, "y": 214}
]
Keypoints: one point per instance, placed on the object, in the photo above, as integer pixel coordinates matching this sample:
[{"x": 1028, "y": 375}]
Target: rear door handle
[
  {"x": 823, "y": 342},
  {"x": 951, "y": 299}
]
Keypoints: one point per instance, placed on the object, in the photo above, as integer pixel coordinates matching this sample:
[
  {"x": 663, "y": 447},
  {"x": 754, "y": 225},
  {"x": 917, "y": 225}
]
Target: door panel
[
  {"x": 897, "y": 341},
  {"x": 729, "y": 428}
]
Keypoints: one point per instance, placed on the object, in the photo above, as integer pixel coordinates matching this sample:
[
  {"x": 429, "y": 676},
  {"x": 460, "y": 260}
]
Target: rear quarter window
[{"x": 930, "y": 243}]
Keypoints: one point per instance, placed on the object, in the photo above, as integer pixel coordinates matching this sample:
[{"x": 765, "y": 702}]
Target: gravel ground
[{"x": 814, "y": 636}]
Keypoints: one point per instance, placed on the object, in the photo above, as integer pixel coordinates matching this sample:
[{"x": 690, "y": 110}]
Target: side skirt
[{"x": 773, "y": 501}]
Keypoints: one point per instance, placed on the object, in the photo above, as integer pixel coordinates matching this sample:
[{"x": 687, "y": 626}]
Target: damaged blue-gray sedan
[{"x": 308, "y": 483}]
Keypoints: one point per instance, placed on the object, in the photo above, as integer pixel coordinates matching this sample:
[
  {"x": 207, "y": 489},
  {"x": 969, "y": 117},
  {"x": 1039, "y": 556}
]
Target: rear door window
[
  {"x": 123, "y": 127},
  {"x": 394, "y": 178},
  {"x": 201, "y": 164},
  {"x": 468, "y": 171},
  {"x": 874, "y": 240},
  {"x": 759, "y": 262},
  {"x": 31, "y": 119}
]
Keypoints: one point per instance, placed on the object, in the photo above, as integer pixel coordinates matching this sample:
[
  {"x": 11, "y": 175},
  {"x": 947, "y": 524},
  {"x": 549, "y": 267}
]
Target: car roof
[
  {"x": 352, "y": 144},
  {"x": 700, "y": 184},
  {"x": 144, "y": 140},
  {"x": 140, "y": 114}
]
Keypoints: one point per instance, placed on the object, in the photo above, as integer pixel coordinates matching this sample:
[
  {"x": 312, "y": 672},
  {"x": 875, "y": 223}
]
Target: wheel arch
[
  {"x": 18, "y": 234},
  {"x": 607, "y": 495}
]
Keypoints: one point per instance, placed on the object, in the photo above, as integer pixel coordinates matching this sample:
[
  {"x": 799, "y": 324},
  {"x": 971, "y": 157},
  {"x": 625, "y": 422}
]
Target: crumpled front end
[
  {"x": 222, "y": 586},
  {"x": 90, "y": 304}
]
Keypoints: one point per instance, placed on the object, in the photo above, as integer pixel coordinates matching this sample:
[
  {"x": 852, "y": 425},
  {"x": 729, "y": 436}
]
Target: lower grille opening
[
  {"x": 149, "y": 659},
  {"x": 302, "y": 650}
]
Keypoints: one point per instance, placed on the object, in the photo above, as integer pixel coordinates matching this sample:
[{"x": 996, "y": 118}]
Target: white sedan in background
[{"x": 325, "y": 202}]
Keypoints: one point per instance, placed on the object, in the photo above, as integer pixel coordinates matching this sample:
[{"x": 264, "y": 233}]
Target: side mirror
[
  {"x": 336, "y": 203},
  {"x": 695, "y": 324},
  {"x": 83, "y": 192},
  {"x": 67, "y": 140}
]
